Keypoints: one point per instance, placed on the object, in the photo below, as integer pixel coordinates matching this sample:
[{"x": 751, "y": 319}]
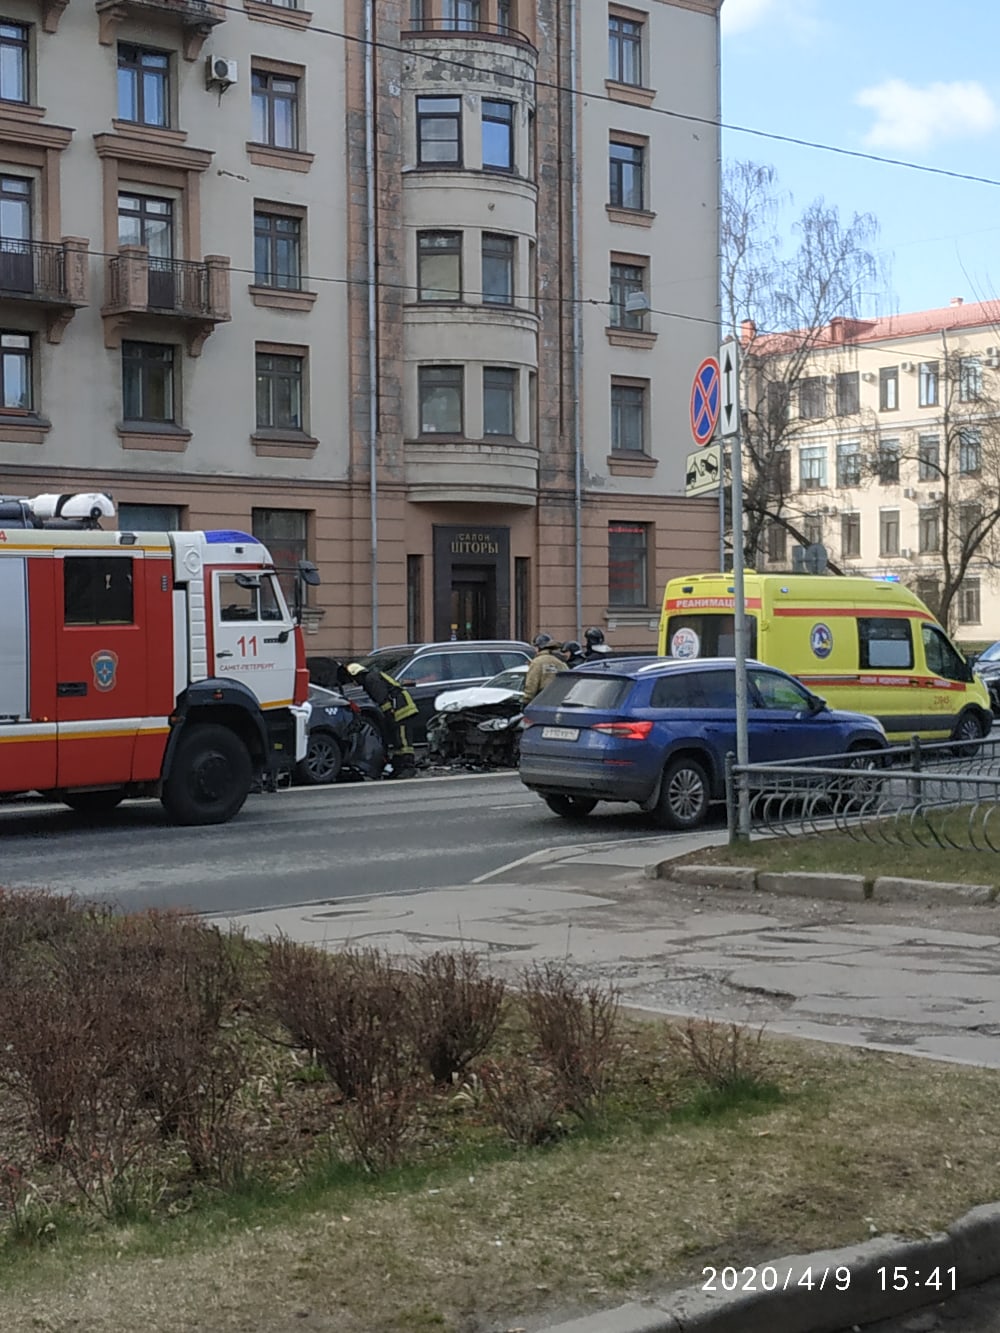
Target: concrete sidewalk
[{"x": 917, "y": 977}]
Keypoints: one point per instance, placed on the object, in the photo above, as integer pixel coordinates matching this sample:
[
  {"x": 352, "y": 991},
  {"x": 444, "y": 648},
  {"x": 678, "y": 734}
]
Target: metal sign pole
[{"x": 731, "y": 427}]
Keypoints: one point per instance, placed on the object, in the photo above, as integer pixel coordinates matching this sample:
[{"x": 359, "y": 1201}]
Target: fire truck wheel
[
  {"x": 210, "y": 777},
  {"x": 93, "y": 804}
]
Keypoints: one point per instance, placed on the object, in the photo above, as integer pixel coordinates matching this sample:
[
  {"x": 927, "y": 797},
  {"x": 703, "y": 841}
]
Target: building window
[
  {"x": 930, "y": 530},
  {"x": 146, "y": 221},
  {"x": 812, "y": 529},
  {"x": 439, "y": 266},
  {"x": 16, "y": 274},
  {"x": 16, "y": 372},
  {"x": 628, "y": 418},
  {"x": 928, "y": 463},
  {"x": 275, "y": 108},
  {"x": 279, "y": 391},
  {"x": 848, "y": 394},
  {"x": 929, "y": 592},
  {"x": 812, "y": 398},
  {"x": 285, "y": 534},
  {"x": 850, "y": 536},
  {"x": 779, "y": 472},
  {"x": 970, "y": 379},
  {"x": 888, "y": 532},
  {"x": 812, "y": 467},
  {"x": 968, "y": 603},
  {"x": 414, "y": 598},
  {"x": 499, "y": 397},
  {"x": 777, "y": 543},
  {"x": 778, "y": 403},
  {"x": 628, "y": 564},
  {"x": 928, "y": 384},
  {"x": 522, "y": 597},
  {"x": 532, "y": 407},
  {"x": 505, "y": 16},
  {"x": 627, "y": 171},
  {"x": 143, "y": 85},
  {"x": 13, "y": 61},
  {"x": 439, "y": 131},
  {"x": 441, "y": 389},
  {"x": 624, "y": 51},
  {"x": 849, "y": 464},
  {"x": 277, "y": 250},
  {"x": 888, "y": 463},
  {"x": 970, "y": 453},
  {"x": 498, "y": 269},
  {"x": 968, "y": 520},
  {"x": 888, "y": 389},
  {"x": 460, "y": 15},
  {"x": 149, "y": 518},
  {"x": 148, "y": 382},
  {"x": 498, "y": 136},
  {"x": 627, "y": 280}
]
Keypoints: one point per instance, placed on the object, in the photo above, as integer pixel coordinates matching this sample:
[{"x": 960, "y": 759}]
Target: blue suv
[{"x": 657, "y": 733}]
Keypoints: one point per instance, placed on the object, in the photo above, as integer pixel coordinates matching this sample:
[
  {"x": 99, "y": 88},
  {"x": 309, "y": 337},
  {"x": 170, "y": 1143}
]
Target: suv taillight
[{"x": 626, "y": 731}]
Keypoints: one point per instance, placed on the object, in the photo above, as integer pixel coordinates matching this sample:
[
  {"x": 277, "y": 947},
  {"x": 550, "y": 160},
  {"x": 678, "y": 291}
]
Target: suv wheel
[
  {"x": 570, "y": 807},
  {"x": 683, "y": 802}
]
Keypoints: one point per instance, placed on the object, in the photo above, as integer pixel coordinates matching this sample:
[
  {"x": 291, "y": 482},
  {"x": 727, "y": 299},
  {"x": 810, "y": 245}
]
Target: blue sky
[{"x": 915, "y": 80}]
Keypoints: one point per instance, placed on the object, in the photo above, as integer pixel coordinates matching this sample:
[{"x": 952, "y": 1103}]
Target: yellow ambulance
[{"x": 868, "y": 645}]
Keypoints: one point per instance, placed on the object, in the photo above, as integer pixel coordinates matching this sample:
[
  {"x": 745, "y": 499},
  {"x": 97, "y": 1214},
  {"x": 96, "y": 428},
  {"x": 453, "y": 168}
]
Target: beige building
[
  {"x": 375, "y": 281},
  {"x": 891, "y": 456}
]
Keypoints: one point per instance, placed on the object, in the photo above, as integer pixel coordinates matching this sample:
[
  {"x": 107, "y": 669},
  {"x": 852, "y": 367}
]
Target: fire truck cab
[{"x": 143, "y": 664}]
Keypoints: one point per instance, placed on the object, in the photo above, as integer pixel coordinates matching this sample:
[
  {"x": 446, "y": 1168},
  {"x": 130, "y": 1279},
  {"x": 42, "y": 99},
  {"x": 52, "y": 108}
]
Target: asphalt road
[{"x": 297, "y": 846}]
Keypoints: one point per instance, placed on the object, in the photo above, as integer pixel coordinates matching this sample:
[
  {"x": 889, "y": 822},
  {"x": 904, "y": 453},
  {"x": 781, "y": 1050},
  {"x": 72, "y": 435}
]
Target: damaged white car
[{"x": 480, "y": 725}]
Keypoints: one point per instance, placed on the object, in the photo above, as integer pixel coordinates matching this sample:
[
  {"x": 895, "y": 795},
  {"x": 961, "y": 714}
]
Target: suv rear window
[
  {"x": 569, "y": 690},
  {"x": 695, "y": 689}
]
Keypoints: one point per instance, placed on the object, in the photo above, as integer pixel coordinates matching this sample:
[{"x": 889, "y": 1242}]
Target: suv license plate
[{"x": 560, "y": 733}]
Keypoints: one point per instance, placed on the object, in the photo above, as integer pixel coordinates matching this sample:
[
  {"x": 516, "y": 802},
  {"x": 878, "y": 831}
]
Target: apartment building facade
[
  {"x": 891, "y": 456},
  {"x": 376, "y": 282}
]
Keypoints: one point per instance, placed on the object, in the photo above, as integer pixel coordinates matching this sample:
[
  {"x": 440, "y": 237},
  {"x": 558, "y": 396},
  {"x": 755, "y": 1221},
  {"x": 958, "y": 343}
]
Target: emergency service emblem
[
  {"x": 105, "y": 664},
  {"x": 821, "y": 640}
]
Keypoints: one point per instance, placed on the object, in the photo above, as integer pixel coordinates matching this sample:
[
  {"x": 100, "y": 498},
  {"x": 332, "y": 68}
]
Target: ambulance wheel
[
  {"x": 210, "y": 776},
  {"x": 93, "y": 804},
  {"x": 968, "y": 728},
  {"x": 570, "y": 807},
  {"x": 684, "y": 798}
]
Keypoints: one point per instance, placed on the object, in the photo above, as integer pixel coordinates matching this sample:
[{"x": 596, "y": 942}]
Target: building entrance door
[{"x": 474, "y": 601}]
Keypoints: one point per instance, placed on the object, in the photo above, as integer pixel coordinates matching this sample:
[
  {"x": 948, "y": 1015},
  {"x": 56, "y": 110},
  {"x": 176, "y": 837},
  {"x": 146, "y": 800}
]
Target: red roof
[{"x": 853, "y": 332}]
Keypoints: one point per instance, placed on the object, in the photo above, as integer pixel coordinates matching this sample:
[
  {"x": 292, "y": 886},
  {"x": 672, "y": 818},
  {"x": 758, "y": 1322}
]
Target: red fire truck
[{"x": 137, "y": 664}]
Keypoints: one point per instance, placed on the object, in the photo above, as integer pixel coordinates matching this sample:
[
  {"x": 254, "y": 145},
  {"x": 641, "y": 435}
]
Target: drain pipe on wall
[
  {"x": 372, "y": 305},
  {"x": 577, "y": 341}
]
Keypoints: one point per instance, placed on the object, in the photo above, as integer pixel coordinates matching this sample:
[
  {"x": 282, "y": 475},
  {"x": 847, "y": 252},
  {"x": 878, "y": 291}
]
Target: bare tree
[
  {"x": 783, "y": 307},
  {"x": 958, "y": 453}
]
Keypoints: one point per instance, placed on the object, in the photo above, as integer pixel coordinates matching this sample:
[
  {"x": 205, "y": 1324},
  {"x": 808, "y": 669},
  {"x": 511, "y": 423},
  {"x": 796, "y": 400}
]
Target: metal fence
[{"x": 943, "y": 795}]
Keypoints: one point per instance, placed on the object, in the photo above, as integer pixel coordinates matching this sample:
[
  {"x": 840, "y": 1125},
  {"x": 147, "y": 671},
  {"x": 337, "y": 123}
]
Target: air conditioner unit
[
  {"x": 869, "y": 377},
  {"x": 220, "y": 72},
  {"x": 906, "y": 365},
  {"x": 909, "y": 493},
  {"x": 830, "y": 379},
  {"x": 935, "y": 495},
  {"x": 905, "y": 552},
  {"x": 992, "y": 361}
]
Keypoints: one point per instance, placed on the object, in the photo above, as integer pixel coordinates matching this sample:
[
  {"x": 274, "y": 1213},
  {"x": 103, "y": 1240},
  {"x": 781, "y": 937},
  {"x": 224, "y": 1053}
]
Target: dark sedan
[
  {"x": 345, "y": 740},
  {"x": 987, "y": 666}
]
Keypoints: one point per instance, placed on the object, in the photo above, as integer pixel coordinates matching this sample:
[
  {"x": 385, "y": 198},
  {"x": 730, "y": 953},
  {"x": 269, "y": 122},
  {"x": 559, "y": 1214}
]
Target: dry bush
[
  {"x": 525, "y": 1101},
  {"x": 720, "y": 1055},
  {"x": 576, "y": 1027},
  {"x": 350, "y": 1010},
  {"x": 454, "y": 1010}
]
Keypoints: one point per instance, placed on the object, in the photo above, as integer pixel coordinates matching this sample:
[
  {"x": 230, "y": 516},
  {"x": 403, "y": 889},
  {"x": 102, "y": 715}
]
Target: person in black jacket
[{"x": 396, "y": 705}]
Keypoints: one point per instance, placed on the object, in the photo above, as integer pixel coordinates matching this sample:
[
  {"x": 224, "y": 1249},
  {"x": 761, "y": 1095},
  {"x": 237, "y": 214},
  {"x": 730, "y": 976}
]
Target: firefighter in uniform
[
  {"x": 547, "y": 661},
  {"x": 396, "y": 705},
  {"x": 575, "y": 655},
  {"x": 596, "y": 645}
]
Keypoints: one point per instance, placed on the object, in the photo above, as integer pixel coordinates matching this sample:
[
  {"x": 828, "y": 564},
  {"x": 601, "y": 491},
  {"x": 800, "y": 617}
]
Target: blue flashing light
[
  {"x": 226, "y": 536},
  {"x": 890, "y": 578}
]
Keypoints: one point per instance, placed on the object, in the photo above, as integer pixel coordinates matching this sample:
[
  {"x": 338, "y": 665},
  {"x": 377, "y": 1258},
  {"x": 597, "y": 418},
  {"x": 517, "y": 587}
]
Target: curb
[
  {"x": 824, "y": 1292},
  {"x": 818, "y": 885}
]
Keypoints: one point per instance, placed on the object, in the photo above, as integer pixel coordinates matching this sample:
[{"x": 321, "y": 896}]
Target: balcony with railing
[
  {"x": 195, "y": 18},
  {"x": 45, "y": 275},
  {"x": 141, "y": 286},
  {"x": 490, "y": 20}
]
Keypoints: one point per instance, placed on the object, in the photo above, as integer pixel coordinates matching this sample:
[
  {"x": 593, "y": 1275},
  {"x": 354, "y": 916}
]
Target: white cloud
[
  {"x": 738, "y": 15},
  {"x": 907, "y": 117}
]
